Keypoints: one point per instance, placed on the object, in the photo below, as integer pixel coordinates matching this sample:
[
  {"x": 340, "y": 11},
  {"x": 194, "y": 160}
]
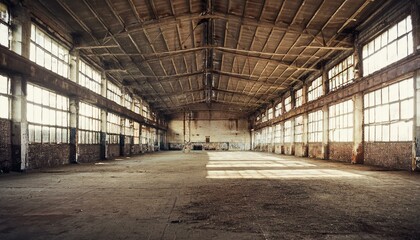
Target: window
[
  {"x": 5, "y": 97},
  {"x": 278, "y": 133},
  {"x": 265, "y": 136},
  {"x": 128, "y": 130},
  {"x": 288, "y": 131},
  {"x": 89, "y": 124},
  {"x": 315, "y": 126},
  {"x": 128, "y": 101},
  {"x": 263, "y": 116},
  {"x": 341, "y": 74},
  {"x": 89, "y": 77},
  {"x": 394, "y": 44},
  {"x": 137, "y": 106},
  {"x": 4, "y": 25},
  {"x": 270, "y": 135},
  {"x": 113, "y": 92},
  {"x": 270, "y": 113},
  {"x": 298, "y": 98},
  {"x": 136, "y": 134},
  {"x": 315, "y": 89},
  {"x": 145, "y": 112},
  {"x": 389, "y": 113},
  {"x": 341, "y": 122},
  {"x": 299, "y": 129},
  {"x": 48, "y": 116},
  {"x": 113, "y": 128},
  {"x": 288, "y": 104},
  {"x": 145, "y": 135},
  {"x": 278, "y": 109},
  {"x": 48, "y": 53}
]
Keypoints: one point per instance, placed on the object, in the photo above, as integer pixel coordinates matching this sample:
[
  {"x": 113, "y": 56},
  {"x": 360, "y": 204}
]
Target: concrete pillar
[
  {"x": 292, "y": 137},
  {"x": 103, "y": 142},
  {"x": 357, "y": 58},
  {"x": 21, "y": 34},
  {"x": 325, "y": 133},
  {"x": 292, "y": 98},
  {"x": 74, "y": 65},
  {"x": 325, "y": 81},
  {"x": 305, "y": 135},
  {"x": 122, "y": 136},
  {"x": 74, "y": 126},
  {"x": 20, "y": 140},
  {"x": 358, "y": 156},
  {"x": 141, "y": 137},
  {"x": 20, "y": 44},
  {"x": 416, "y": 146},
  {"x": 304, "y": 93},
  {"x": 415, "y": 18}
]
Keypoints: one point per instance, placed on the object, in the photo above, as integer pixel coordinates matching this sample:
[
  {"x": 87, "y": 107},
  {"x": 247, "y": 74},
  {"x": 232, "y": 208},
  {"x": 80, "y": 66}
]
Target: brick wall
[
  {"x": 48, "y": 155},
  {"x": 315, "y": 150},
  {"x": 340, "y": 151},
  {"x": 89, "y": 153},
  {"x": 113, "y": 150},
  {"x": 5, "y": 145},
  {"x": 396, "y": 155},
  {"x": 136, "y": 149}
]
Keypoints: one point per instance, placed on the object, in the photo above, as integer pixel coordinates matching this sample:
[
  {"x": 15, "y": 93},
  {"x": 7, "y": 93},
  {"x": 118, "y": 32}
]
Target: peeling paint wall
[{"x": 315, "y": 150}]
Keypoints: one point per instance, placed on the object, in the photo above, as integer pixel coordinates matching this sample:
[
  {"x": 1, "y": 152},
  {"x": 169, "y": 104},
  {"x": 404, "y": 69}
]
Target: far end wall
[{"x": 209, "y": 134}]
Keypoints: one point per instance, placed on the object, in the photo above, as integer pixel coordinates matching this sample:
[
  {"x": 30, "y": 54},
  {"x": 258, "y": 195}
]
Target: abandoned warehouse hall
[{"x": 209, "y": 119}]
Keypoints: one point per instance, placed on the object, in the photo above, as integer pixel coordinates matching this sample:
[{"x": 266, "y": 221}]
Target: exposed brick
[
  {"x": 48, "y": 155},
  {"x": 113, "y": 150},
  {"x": 340, "y": 151},
  {"x": 89, "y": 152},
  {"x": 396, "y": 155},
  {"x": 5, "y": 145}
]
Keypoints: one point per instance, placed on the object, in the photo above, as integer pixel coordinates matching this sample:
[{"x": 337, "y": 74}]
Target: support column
[
  {"x": 325, "y": 133},
  {"x": 74, "y": 109},
  {"x": 74, "y": 65},
  {"x": 304, "y": 93},
  {"x": 325, "y": 81},
  {"x": 415, "y": 14},
  {"x": 103, "y": 142},
  {"x": 20, "y": 140},
  {"x": 358, "y": 155},
  {"x": 415, "y": 166},
  {"x": 305, "y": 135},
  {"x": 74, "y": 126},
  {"x": 122, "y": 137},
  {"x": 292, "y": 137},
  {"x": 21, "y": 34},
  {"x": 20, "y": 44}
]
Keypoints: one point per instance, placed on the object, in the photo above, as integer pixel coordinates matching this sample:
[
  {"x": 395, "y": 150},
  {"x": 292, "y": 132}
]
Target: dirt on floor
[{"x": 210, "y": 195}]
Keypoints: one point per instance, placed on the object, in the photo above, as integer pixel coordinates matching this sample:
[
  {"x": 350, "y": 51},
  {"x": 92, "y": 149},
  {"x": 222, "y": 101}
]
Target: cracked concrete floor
[{"x": 210, "y": 195}]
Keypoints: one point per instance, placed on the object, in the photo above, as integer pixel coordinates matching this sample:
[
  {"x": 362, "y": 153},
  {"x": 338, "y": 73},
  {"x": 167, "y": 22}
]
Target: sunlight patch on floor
[{"x": 225, "y": 165}]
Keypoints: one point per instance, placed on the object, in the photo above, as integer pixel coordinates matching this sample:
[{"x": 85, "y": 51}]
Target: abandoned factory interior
[{"x": 209, "y": 119}]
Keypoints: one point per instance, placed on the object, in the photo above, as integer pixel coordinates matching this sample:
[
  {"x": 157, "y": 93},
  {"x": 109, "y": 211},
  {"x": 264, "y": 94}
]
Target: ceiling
[{"x": 218, "y": 55}]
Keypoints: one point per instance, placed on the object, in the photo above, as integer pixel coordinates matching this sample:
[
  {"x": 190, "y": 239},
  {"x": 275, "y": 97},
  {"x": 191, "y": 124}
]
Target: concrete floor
[{"x": 211, "y": 195}]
